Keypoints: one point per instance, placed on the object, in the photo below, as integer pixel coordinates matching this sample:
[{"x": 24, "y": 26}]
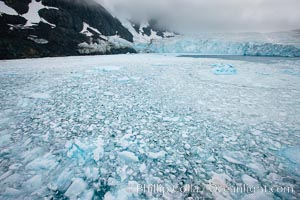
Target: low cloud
[{"x": 212, "y": 15}]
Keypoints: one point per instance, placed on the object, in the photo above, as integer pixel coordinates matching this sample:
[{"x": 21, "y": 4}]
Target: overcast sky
[{"x": 212, "y": 15}]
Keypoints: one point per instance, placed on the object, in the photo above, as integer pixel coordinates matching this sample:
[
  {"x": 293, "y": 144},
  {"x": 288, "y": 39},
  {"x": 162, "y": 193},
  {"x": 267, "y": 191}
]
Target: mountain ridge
[{"x": 49, "y": 28}]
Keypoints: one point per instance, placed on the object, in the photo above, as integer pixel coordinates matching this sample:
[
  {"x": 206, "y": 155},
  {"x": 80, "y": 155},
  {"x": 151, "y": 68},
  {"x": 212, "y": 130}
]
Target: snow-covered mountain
[
  {"x": 39, "y": 28},
  {"x": 43, "y": 28}
]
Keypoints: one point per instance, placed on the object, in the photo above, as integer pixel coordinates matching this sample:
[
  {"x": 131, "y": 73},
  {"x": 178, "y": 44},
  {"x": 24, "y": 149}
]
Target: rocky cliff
[{"x": 42, "y": 28}]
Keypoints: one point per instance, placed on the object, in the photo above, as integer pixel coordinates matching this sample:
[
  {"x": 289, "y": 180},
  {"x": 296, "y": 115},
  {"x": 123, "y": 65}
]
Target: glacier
[
  {"x": 284, "y": 44},
  {"x": 101, "y": 127}
]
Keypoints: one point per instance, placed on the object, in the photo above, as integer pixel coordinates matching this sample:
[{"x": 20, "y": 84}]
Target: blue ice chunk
[
  {"x": 224, "y": 69},
  {"x": 262, "y": 73},
  {"x": 291, "y": 72},
  {"x": 292, "y": 155},
  {"x": 107, "y": 68}
]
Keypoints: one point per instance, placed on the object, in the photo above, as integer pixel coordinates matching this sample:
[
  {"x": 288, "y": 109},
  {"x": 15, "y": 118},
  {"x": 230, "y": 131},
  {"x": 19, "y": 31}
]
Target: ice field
[{"x": 99, "y": 127}]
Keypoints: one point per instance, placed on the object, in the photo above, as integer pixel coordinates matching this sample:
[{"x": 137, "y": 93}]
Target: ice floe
[{"x": 90, "y": 127}]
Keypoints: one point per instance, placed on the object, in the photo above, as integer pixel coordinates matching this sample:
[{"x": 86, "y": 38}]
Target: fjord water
[{"x": 90, "y": 127}]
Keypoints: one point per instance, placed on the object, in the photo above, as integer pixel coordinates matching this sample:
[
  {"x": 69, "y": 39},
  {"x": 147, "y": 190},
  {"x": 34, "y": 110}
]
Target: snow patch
[
  {"x": 38, "y": 40},
  {"x": 86, "y": 32},
  {"x": 6, "y": 9},
  {"x": 32, "y": 15}
]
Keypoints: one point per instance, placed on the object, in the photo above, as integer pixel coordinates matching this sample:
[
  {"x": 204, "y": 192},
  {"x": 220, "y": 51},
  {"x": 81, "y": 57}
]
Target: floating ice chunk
[
  {"x": 143, "y": 168},
  {"x": 291, "y": 72},
  {"x": 156, "y": 155},
  {"x": 91, "y": 173},
  {"x": 98, "y": 153},
  {"x": 187, "y": 146},
  {"x": 128, "y": 156},
  {"x": 211, "y": 159},
  {"x": 11, "y": 193},
  {"x": 224, "y": 69},
  {"x": 87, "y": 195},
  {"x": 171, "y": 119},
  {"x": 23, "y": 102},
  {"x": 34, "y": 183},
  {"x": 221, "y": 65},
  {"x": 4, "y": 139},
  {"x": 5, "y": 175},
  {"x": 233, "y": 157},
  {"x": 12, "y": 179},
  {"x": 77, "y": 150},
  {"x": 257, "y": 168},
  {"x": 108, "y": 68},
  {"x": 277, "y": 145},
  {"x": 39, "y": 96},
  {"x": 160, "y": 64},
  {"x": 108, "y": 93},
  {"x": 124, "y": 140},
  {"x": 262, "y": 73},
  {"x": 64, "y": 180},
  {"x": 248, "y": 180},
  {"x": 77, "y": 187},
  {"x": 258, "y": 195},
  {"x": 219, "y": 181},
  {"x": 232, "y": 160},
  {"x": 15, "y": 166},
  {"x": 256, "y": 132},
  {"x": 80, "y": 144},
  {"x": 46, "y": 162},
  {"x": 111, "y": 181},
  {"x": 125, "y": 192},
  {"x": 52, "y": 187},
  {"x": 109, "y": 196},
  {"x": 124, "y": 80},
  {"x": 293, "y": 156},
  {"x": 122, "y": 172}
]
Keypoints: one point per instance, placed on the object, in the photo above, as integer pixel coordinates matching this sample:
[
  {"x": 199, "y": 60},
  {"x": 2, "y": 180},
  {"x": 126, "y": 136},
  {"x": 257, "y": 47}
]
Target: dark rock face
[
  {"x": 17, "y": 41},
  {"x": 153, "y": 25},
  {"x": 11, "y": 19},
  {"x": 90, "y": 12},
  {"x": 21, "y": 6}
]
